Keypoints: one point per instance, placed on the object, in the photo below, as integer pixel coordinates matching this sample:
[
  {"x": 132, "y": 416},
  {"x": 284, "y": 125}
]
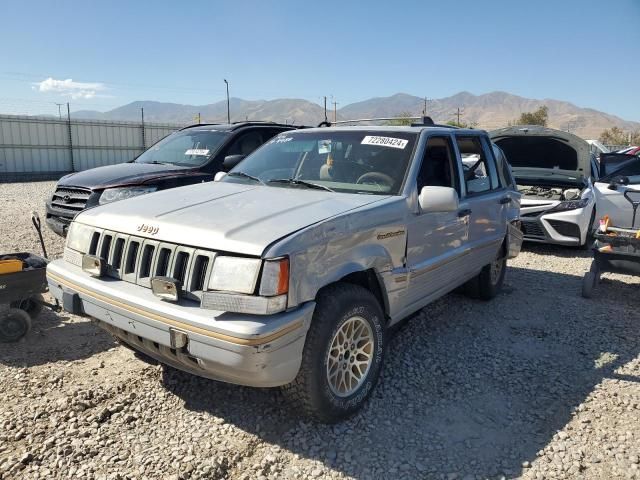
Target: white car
[
  {"x": 620, "y": 173},
  {"x": 554, "y": 171}
]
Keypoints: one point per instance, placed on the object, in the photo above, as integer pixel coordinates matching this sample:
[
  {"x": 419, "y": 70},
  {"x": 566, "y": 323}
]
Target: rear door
[{"x": 484, "y": 202}]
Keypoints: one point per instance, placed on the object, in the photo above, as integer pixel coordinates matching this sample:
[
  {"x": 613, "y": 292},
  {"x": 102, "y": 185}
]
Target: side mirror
[
  {"x": 219, "y": 176},
  {"x": 438, "y": 199},
  {"x": 619, "y": 180},
  {"x": 231, "y": 161}
]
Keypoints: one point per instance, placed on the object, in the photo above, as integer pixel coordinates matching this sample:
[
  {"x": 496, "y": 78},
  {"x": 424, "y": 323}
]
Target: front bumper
[
  {"x": 252, "y": 350},
  {"x": 562, "y": 228},
  {"x": 59, "y": 225}
]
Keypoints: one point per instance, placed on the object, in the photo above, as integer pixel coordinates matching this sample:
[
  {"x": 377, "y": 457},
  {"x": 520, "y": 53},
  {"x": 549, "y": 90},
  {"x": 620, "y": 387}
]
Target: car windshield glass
[
  {"x": 188, "y": 148},
  {"x": 369, "y": 162},
  {"x": 629, "y": 169}
]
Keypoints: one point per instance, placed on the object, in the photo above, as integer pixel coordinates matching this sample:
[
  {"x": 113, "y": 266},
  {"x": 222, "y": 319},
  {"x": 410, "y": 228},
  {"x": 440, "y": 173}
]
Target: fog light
[
  {"x": 166, "y": 288},
  {"x": 94, "y": 266}
]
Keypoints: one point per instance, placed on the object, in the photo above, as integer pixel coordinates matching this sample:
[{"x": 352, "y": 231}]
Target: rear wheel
[
  {"x": 14, "y": 324},
  {"x": 342, "y": 356},
  {"x": 588, "y": 284},
  {"x": 488, "y": 283}
]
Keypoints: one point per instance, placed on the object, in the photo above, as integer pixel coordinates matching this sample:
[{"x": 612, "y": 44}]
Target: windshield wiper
[
  {"x": 155, "y": 162},
  {"x": 295, "y": 181},
  {"x": 245, "y": 175}
]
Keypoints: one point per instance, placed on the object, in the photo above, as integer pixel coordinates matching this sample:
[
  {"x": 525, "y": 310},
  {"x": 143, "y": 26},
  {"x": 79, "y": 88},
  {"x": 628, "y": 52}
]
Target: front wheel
[{"x": 342, "y": 356}]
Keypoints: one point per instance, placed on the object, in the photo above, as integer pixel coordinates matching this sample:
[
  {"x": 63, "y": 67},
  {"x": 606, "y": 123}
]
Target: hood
[
  {"x": 223, "y": 216},
  {"x": 535, "y": 151},
  {"x": 121, "y": 174}
]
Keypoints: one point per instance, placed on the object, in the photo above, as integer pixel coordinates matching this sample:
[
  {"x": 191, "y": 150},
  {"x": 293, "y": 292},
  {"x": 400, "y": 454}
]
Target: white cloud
[{"x": 69, "y": 88}]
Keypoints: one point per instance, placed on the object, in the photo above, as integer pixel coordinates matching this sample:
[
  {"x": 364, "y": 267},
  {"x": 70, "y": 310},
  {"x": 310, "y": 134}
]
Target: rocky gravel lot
[{"x": 539, "y": 383}]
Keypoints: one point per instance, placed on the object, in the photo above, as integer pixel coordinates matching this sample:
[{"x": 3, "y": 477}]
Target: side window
[
  {"x": 246, "y": 143},
  {"x": 504, "y": 169},
  {"x": 595, "y": 169},
  {"x": 438, "y": 165},
  {"x": 480, "y": 174}
]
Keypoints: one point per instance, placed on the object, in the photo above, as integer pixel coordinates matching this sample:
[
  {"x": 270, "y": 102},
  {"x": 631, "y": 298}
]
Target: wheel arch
[{"x": 368, "y": 279}]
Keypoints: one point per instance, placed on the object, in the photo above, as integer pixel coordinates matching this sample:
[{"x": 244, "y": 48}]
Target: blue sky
[{"x": 586, "y": 52}]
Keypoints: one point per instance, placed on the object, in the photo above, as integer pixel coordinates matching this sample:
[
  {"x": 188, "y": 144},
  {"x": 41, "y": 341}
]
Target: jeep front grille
[
  {"x": 136, "y": 259},
  {"x": 70, "y": 200}
]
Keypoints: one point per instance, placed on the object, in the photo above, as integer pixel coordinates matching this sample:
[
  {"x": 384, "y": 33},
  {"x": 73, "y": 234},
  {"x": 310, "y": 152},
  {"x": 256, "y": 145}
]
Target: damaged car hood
[
  {"x": 122, "y": 174},
  {"x": 536, "y": 151},
  {"x": 223, "y": 216}
]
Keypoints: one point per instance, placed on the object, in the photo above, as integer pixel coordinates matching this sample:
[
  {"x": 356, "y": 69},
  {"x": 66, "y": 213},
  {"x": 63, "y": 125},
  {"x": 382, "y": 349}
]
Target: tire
[
  {"x": 588, "y": 284},
  {"x": 590, "y": 238},
  {"x": 32, "y": 305},
  {"x": 488, "y": 283},
  {"x": 339, "y": 307},
  {"x": 14, "y": 324}
]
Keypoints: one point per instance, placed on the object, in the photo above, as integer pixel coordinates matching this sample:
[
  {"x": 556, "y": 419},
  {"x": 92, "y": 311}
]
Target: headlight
[
  {"x": 79, "y": 237},
  {"x": 235, "y": 280},
  {"x": 569, "y": 205},
  {"x": 122, "y": 193},
  {"x": 234, "y": 274}
]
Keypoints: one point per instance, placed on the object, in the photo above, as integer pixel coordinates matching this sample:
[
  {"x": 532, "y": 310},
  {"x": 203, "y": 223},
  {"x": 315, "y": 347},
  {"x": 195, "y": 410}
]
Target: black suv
[{"x": 193, "y": 154}]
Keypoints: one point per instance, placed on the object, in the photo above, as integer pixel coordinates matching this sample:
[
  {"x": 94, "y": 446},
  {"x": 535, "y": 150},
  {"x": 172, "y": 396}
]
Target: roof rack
[
  {"x": 423, "y": 121},
  {"x": 243, "y": 123},
  {"x": 197, "y": 125}
]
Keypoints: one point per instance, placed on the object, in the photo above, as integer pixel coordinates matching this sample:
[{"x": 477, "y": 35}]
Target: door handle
[
  {"x": 505, "y": 200},
  {"x": 464, "y": 212}
]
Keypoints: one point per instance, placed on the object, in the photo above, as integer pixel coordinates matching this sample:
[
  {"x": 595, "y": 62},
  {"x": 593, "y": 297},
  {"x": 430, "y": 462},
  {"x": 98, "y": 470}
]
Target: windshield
[
  {"x": 344, "y": 161},
  {"x": 188, "y": 148},
  {"x": 629, "y": 168}
]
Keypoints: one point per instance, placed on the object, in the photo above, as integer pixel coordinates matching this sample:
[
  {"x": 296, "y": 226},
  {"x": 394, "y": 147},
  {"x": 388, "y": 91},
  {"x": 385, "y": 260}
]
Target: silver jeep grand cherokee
[{"x": 289, "y": 270}]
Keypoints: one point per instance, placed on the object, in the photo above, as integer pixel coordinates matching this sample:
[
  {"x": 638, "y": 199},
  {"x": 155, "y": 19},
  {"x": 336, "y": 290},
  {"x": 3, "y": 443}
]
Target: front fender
[{"x": 326, "y": 264}]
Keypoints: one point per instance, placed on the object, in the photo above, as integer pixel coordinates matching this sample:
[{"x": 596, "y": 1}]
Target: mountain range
[{"x": 488, "y": 111}]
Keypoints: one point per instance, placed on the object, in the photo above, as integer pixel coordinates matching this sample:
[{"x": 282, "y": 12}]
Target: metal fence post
[
  {"x": 144, "y": 143},
  {"x": 73, "y": 165}
]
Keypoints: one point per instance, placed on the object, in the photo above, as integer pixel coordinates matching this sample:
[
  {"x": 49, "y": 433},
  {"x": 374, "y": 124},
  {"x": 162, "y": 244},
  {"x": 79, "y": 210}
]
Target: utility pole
[
  {"x": 73, "y": 166},
  {"x": 459, "y": 112},
  {"x": 228, "y": 109},
  {"x": 424, "y": 110},
  {"x": 59, "y": 113},
  {"x": 335, "y": 111},
  {"x": 325, "y": 108},
  {"x": 198, "y": 118}
]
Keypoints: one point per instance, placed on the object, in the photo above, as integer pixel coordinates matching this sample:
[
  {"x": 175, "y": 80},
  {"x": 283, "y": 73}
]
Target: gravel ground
[{"x": 538, "y": 383}]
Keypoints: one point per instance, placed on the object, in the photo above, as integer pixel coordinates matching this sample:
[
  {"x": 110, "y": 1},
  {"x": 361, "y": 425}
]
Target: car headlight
[
  {"x": 79, "y": 237},
  {"x": 122, "y": 193},
  {"x": 234, "y": 274},
  {"x": 570, "y": 205},
  {"x": 234, "y": 280}
]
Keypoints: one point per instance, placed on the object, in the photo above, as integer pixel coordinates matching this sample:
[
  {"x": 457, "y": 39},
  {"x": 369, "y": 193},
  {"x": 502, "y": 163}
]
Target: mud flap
[
  {"x": 514, "y": 239},
  {"x": 71, "y": 303}
]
